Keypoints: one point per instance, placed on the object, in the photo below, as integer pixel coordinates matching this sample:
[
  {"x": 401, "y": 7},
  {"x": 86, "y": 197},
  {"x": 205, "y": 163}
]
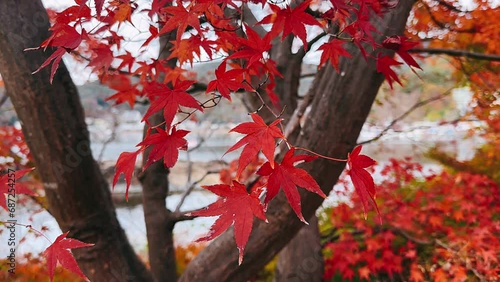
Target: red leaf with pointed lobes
[
  {"x": 288, "y": 177},
  {"x": 341, "y": 7},
  {"x": 235, "y": 207},
  {"x": 361, "y": 179},
  {"x": 259, "y": 137},
  {"x": 60, "y": 251},
  {"x": 126, "y": 91},
  {"x": 290, "y": 21},
  {"x": 63, "y": 36},
  {"x": 156, "y": 6},
  {"x": 181, "y": 17},
  {"x": 127, "y": 60},
  {"x": 184, "y": 50},
  {"x": 401, "y": 46},
  {"x": 333, "y": 50},
  {"x": 98, "y": 7},
  {"x": 169, "y": 100},
  {"x": 384, "y": 64},
  {"x": 253, "y": 47},
  {"x": 7, "y": 182},
  {"x": 126, "y": 165},
  {"x": 226, "y": 81},
  {"x": 55, "y": 58},
  {"x": 101, "y": 58},
  {"x": 166, "y": 146}
]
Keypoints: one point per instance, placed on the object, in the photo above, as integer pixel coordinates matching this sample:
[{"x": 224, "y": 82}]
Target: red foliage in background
[{"x": 441, "y": 227}]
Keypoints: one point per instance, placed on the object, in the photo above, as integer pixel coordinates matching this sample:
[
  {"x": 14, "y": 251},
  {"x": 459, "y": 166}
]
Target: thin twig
[
  {"x": 191, "y": 188},
  {"x": 456, "y": 53},
  {"x": 405, "y": 114}
]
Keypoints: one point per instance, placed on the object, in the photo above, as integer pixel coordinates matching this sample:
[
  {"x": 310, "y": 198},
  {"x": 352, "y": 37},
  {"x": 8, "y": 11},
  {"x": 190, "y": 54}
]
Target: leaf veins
[{"x": 235, "y": 207}]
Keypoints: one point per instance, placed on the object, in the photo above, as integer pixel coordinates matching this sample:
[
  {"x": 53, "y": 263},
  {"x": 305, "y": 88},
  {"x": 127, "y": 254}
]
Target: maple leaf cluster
[
  {"x": 210, "y": 29},
  {"x": 439, "y": 228},
  {"x": 92, "y": 31}
]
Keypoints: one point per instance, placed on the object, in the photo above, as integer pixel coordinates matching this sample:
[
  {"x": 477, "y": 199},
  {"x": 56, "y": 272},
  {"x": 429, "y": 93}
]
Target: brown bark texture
[
  {"x": 54, "y": 127},
  {"x": 340, "y": 106},
  {"x": 155, "y": 187},
  {"x": 301, "y": 259}
]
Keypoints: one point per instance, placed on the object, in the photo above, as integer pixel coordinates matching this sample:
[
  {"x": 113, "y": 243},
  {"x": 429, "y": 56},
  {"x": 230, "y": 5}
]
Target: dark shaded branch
[
  {"x": 450, "y": 6},
  {"x": 456, "y": 53},
  {"x": 444, "y": 25}
]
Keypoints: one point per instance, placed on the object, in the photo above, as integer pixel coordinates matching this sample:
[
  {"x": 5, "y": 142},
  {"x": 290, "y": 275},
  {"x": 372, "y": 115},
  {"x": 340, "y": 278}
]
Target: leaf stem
[
  {"x": 319, "y": 155},
  {"x": 27, "y": 226}
]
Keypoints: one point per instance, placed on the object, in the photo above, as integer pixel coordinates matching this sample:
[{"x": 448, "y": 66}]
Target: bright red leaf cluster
[
  {"x": 443, "y": 227},
  {"x": 200, "y": 30}
]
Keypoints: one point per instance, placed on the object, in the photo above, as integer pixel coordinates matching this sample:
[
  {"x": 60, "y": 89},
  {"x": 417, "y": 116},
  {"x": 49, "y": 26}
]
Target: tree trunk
[
  {"x": 155, "y": 186},
  {"x": 290, "y": 65},
  {"x": 56, "y": 133},
  {"x": 340, "y": 106},
  {"x": 306, "y": 245}
]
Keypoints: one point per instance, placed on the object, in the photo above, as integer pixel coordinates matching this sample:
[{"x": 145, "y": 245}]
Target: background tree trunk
[
  {"x": 340, "y": 106},
  {"x": 55, "y": 130}
]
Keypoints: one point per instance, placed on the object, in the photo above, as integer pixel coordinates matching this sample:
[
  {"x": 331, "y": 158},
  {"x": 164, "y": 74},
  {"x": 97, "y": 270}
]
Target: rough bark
[
  {"x": 339, "y": 109},
  {"x": 155, "y": 187},
  {"x": 301, "y": 259},
  {"x": 56, "y": 133}
]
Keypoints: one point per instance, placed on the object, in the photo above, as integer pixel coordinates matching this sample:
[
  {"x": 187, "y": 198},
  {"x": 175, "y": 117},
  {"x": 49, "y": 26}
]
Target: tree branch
[
  {"x": 405, "y": 114},
  {"x": 456, "y": 53}
]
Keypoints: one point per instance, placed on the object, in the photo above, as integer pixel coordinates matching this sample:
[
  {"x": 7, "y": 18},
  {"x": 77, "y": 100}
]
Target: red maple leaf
[
  {"x": 184, "y": 49},
  {"x": 332, "y": 50},
  {"x": 169, "y": 100},
  {"x": 253, "y": 47},
  {"x": 226, "y": 81},
  {"x": 290, "y": 21},
  {"x": 384, "y": 64},
  {"x": 236, "y": 207},
  {"x": 361, "y": 179},
  {"x": 181, "y": 17},
  {"x": 102, "y": 57},
  {"x": 126, "y": 165},
  {"x": 98, "y": 7},
  {"x": 156, "y": 6},
  {"x": 154, "y": 34},
  {"x": 166, "y": 146},
  {"x": 65, "y": 38},
  {"x": 9, "y": 184},
  {"x": 127, "y": 60},
  {"x": 60, "y": 251},
  {"x": 401, "y": 46},
  {"x": 288, "y": 177},
  {"x": 259, "y": 137},
  {"x": 126, "y": 91},
  {"x": 341, "y": 7}
]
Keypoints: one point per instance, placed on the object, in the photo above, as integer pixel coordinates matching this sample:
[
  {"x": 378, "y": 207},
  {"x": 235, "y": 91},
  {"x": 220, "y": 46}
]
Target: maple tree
[{"x": 246, "y": 49}]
